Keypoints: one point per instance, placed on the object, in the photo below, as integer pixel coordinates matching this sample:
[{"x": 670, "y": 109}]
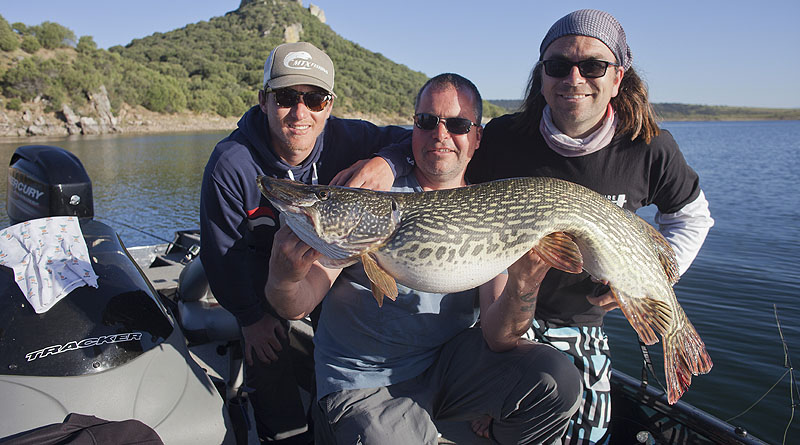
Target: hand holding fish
[
  {"x": 526, "y": 274},
  {"x": 508, "y": 302},
  {"x": 291, "y": 258},
  {"x": 373, "y": 174},
  {"x": 297, "y": 282},
  {"x": 605, "y": 300}
]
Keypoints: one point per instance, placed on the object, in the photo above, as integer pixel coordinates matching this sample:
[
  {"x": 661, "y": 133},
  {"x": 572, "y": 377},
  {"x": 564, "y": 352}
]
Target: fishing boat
[
  {"x": 177, "y": 360},
  {"x": 641, "y": 413}
]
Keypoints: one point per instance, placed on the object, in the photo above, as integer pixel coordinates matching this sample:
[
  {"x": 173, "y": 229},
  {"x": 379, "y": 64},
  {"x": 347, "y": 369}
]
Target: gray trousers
[{"x": 531, "y": 392}]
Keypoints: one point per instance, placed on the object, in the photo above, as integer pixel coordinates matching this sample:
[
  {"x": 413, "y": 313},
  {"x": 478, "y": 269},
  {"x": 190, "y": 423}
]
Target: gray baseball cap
[
  {"x": 298, "y": 63},
  {"x": 591, "y": 23}
]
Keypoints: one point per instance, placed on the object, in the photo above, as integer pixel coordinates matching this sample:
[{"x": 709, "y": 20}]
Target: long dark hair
[{"x": 632, "y": 107}]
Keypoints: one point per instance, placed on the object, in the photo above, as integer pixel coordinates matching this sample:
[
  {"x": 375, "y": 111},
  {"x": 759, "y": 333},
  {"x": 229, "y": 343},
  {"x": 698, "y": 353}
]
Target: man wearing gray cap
[
  {"x": 289, "y": 134},
  {"x": 587, "y": 119}
]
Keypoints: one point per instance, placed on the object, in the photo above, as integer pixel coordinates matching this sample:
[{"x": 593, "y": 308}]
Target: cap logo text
[{"x": 301, "y": 60}]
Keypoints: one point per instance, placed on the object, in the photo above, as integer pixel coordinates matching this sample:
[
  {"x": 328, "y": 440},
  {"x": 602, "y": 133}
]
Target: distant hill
[
  {"x": 510, "y": 105},
  {"x": 684, "y": 112}
]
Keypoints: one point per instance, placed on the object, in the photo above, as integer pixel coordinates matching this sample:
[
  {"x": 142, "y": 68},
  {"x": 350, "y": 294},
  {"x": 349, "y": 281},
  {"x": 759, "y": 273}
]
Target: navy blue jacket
[{"x": 238, "y": 224}]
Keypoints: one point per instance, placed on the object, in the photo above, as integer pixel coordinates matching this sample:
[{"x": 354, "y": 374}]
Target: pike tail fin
[{"x": 685, "y": 355}]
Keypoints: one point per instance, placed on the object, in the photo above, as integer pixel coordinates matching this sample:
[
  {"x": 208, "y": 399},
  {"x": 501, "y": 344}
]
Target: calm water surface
[{"x": 749, "y": 263}]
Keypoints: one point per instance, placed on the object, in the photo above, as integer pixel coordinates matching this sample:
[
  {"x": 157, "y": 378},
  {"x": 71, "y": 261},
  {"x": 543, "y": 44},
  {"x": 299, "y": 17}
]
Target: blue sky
[{"x": 700, "y": 52}]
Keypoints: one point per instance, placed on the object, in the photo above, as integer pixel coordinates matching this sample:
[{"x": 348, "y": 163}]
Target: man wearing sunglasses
[
  {"x": 289, "y": 134},
  {"x": 587, "y": 119},
  {"x": 383, "y": 373}
]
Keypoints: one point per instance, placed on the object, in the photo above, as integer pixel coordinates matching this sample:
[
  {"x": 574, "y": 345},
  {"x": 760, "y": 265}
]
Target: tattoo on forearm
[{"x": 529, "y": 301}]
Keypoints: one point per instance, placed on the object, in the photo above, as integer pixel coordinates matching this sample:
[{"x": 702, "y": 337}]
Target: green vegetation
[
  {"x": 212, "y": 66},
  {"x": 216, "y": 66},
  {"x": 8, "y": 40}
]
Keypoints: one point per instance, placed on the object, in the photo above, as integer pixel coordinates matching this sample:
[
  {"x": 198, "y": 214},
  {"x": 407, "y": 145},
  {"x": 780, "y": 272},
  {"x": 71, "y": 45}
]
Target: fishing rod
[
  {"x": 793, "y": 387},
  {"x": 191, "y": 248}
]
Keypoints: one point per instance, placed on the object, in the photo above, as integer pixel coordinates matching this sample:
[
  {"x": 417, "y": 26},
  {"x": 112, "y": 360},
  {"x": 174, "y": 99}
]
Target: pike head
[{"x": 342, "y": 223}]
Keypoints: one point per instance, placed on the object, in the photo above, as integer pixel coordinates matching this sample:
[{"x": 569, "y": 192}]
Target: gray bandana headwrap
[{"x": 591, "y": 23}]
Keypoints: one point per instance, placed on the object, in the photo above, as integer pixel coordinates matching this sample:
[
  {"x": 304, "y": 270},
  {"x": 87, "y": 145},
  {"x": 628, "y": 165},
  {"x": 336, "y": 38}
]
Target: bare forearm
[
  {"x": 294, "y": 300},
  {"x": 509, "y": 317},
  {"x": 508, "y": 302},
  {"x": 287, "y": 300}
]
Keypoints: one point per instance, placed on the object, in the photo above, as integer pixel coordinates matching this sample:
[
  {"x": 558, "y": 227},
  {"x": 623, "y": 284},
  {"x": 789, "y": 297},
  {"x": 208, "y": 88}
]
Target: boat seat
[{"x": 203, "y": 319}]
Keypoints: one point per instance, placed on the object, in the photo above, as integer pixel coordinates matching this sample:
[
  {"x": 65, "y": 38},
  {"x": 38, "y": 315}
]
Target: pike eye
[{"x": 323, "y": 194}]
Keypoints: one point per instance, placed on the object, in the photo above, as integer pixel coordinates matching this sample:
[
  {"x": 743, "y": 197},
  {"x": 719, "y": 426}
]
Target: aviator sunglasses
[
  {"x": 314, "y": 100},
  {"x": 591, "y": 69},
  {"x": 455, "y": 125}
]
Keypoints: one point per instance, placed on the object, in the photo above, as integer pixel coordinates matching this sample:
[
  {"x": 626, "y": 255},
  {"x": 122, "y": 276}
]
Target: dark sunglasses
[
  {"x": 455, "y": 125},
  {"x": 591, "y": 69},
  {"x": 314, "y": 100}
]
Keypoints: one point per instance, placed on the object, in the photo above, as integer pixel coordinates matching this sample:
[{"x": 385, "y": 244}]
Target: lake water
[{"x": 147, "y": 187}]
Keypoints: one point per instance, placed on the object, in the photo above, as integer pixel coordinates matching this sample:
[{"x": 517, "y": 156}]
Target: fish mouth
[
  {"x": 284, "y": 193},
  {"x": 289, "y": 197},
  {"x": 298, "y": 204}
]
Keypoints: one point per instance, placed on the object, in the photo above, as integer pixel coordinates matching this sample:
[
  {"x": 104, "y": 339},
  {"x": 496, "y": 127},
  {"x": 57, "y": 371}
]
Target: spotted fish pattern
[{"x": 452, "y": 240}]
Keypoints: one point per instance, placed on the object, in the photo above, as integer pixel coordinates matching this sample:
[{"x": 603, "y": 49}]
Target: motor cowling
[{"x": 46, "y": 181}]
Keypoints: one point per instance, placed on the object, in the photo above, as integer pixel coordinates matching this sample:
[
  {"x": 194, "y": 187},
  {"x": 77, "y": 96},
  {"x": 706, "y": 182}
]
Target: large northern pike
[{"x": 453, "y": 240}]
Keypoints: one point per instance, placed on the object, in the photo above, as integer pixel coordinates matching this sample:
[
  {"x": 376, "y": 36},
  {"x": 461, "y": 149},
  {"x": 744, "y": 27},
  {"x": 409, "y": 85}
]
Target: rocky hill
[{"x": 201, "y": 76}]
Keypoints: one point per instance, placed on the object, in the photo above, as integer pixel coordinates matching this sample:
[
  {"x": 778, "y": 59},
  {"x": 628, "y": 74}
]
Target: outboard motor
[
  {"x": 47, "y": 181},
  {"x": 113, "y": 351}
]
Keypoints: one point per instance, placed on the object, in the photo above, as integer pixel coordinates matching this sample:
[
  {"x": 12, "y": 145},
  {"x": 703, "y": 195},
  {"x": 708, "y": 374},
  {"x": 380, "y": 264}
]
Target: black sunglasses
[
  {"x": 455, "y": 125},
  {"x": 314, "y": 100},
  {"x": 591, "y": 69}
]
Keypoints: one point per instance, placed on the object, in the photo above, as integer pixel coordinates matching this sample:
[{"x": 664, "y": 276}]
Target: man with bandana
[{"x": 586, "y": 118}]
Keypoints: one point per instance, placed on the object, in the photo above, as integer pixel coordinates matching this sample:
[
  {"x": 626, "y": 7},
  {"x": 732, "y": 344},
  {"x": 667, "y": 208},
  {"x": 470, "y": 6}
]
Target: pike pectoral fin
[
  {"x": 560, "y": 251},
  {"x": 382, "y": 282},
  {"x": 377, "y": 293}
]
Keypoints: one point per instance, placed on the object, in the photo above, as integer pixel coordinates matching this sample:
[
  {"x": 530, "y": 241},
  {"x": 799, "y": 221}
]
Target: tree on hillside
[
  {"x": 30, "y": 44},
  {"x": 86, "y": 44},
  {"x": 52, "y": 35},
  {"x": 8, "y": 39},
  {"x": 20, "y": 28}
]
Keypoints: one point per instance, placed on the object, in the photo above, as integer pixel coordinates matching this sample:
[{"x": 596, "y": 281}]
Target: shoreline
[
  {"x": 33, "y": 123},
  {"x": 18, "y": 125}
]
